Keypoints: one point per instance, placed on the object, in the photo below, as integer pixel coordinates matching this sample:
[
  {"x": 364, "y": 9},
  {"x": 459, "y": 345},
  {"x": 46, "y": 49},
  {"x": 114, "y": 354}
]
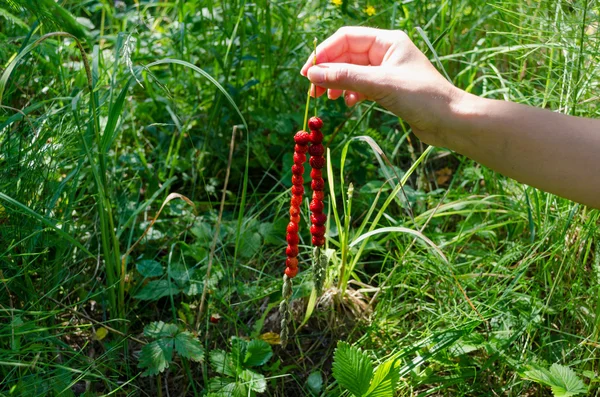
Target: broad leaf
[
  {"x": 157, "y": 289},
  {"x": 180, "y": 273},
  {"x": 258, "y": 352},
  {"x": 352, "y": 368},
  {"x": 160, "y": 329},
  {"x": 385, "y": 380},
  {"x": 314, "y": 383},
  {"x": 238, "y": 351},
  {"x": 221, "y": 363},
  {"x": 149, "y": 268},
  {"x": 254, "y": 381},
  {"x": 565, "y": 382},
  {"x": 193, "y": 288},
  {"x": 188, "y": 346},
  {"x": 156, "y": 356}
]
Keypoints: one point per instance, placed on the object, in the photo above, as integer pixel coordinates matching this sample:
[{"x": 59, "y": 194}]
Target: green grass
[{"x": 89, "y": 152}]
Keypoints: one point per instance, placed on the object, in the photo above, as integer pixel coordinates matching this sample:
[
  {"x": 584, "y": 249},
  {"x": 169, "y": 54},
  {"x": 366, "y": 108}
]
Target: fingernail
[{"x": 316, "y": 74}]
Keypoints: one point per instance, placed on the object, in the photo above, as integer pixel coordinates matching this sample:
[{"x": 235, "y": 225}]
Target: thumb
[{"x": 349, "y": 77}]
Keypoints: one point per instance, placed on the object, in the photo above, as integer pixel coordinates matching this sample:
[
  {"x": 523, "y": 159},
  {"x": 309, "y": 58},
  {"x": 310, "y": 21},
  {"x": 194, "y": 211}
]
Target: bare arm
[{"x": 551, "y": 151}]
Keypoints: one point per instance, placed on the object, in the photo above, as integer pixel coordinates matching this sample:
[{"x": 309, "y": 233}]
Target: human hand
[{"x": 386, "y": 67}]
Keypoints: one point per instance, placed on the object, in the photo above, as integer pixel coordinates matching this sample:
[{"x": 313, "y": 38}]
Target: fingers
[
  {"x": 361, "y": 45},
  {"x": 348, "y": 77}
]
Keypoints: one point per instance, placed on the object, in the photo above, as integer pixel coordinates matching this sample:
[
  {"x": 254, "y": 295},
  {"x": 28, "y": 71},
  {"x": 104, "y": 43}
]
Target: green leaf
[
  {"x": 255, "y": 381},
  {"x": 188, "y": 346},
  {"x": 258, "y": 352},
  {"x": 157, "y": 289},
  {"x": 160, "y": 329},
  {"x": 238, "y": 351},
  {"x": 156, "y": 356},
  {"x": 385, "y": 380},
  {"x": 314, "y": 383},
  {"x": 221, "y": 363},
  {"x": 352, "y": 368},
  {"x": 562, "y": 380},
  {"x": 180, "y": 273},
  {"x": 193, "y": 288},
  {"x": 149, "y": 268},
  {"x": 250, "y": 244}
]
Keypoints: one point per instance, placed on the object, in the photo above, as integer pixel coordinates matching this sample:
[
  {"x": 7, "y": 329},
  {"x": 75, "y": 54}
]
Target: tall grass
[{"x": 89, "y": 151}]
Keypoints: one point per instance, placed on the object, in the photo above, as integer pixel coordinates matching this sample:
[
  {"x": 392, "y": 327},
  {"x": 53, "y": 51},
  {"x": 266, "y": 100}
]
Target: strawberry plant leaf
[
  {"x": 221, "y": 363},
  {"x": 385, "y": 380},
  {"x": 258, "y": 352},
  {"x": 157, "y": 289},
  {"x": 565, "y": 381},
  {"x": 159, "y": 329},
  {"x": 149, "y": 268},
  {"x": 156, "y": 356},
  {"x": 238, "y": 351},
  {"x": 314, "y": 383},
  {"x": 188, "y": 346},
  {"x": 352, "y": 368},
  {"x": 255, "y": 381},
  {"x": 180, "y": 273}
]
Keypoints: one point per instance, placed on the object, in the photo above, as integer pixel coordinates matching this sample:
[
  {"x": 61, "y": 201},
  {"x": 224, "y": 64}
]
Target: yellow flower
[
  {"x": 370, "y": 11},
  {"x": 337, "y": 2}
]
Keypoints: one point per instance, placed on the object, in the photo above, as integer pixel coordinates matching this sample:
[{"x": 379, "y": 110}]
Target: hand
[{"x": 386, "y": 67}]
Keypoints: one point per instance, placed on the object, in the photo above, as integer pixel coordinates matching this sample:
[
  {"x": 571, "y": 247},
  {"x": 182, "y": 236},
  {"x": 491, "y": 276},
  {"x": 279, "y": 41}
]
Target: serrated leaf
[
  {"x": 250, "y": 243},
  {"x": 565, "y": 381},
  {"x": 385, "y": 380},
  {"x": 160, "y": 329},
  {"x": 157, "y": 289},
  {"x": 193, "y": 288},
  {"x": 253, "y": 380},
  {"x": 258, "y": 352},
  {"x": 180, "y": 273},
  {"x": 149, "y": 268},
  {"x": 221, "y": 363},
  {"x": 314, "y": 383},
  {"x": 352, "y": 368},
  {"x": 156, "y": 356},
  {"x": 188, "y": 346},
  {"x": 238, "y": 351}
]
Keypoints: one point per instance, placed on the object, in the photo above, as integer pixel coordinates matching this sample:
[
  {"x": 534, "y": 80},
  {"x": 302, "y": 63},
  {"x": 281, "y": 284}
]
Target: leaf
[
  {"x": 157, "y": 289},
  {"x": 149, "y": 268},
  {"x": 101, "y": 333},
  {"x": 193, "y": 288},
  {"x": 314, "y": 383},
  {"x": 221, "y": 363},
  {"x": 238, "y": 351},
  {"x": 180, "y": 273},
  {"x": 562, "y": 380},
  {"x": 385, "y": 380},
  {"x": 188, "y": 346},
  {"x": 352, "y": 368},
  {"x": 258, "y": 352},
  {"x": 565, "y": 381},
  {"x": 272, "y": 338},
  {"x": 160, "y": 329},
  {"x": 255, "y": 381},
  {"x": 156, "y": 356}
]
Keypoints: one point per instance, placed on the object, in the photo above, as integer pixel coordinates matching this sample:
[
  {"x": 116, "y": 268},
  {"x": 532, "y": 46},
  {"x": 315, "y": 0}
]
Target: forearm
[{"x": 551, "y": 151}]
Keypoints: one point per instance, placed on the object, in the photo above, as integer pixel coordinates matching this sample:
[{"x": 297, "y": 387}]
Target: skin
[{"x": 551, "y": 151}]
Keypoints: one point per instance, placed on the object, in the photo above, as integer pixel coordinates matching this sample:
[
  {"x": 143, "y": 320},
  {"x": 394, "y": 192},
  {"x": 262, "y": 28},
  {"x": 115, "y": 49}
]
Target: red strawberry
[
  {"x": 297, "y": 180},
  {"x": 316, "y": 150},
  {"x": 316, "y": 137},
  {"x": 317, "y": 184},
  {"x": 215, "y": 318},
  {"x": 317, "y": 162},
  {"x": 292, "y": 228},
  {"x": 315, "y": 123},
  {"x": 299, "y": 158},
  {"x": 295, "y": 210},
  {"x": 292, "y": 263},
  {"x": 315, "y": 173},
  {"x": 295, "y": 218},
  {"x": 318, "y": 218},
  {"x": 317, "y": 231},
  {"x": 300, "y": 148},
  {"x": 318, "y": 195},
  {"x": 291, "y": 273},
  {"x": 318, "y": 241},
  {"x": 292, "y": 238},
  {"x": 302, "y": 138},
  {"x": 316, "y": 206},
  {"x": 298, "y": 190},
  {"x": 291, "y": 251},
  {"x": 296, "y": 201},
  {"x": 299, "y": 169}
]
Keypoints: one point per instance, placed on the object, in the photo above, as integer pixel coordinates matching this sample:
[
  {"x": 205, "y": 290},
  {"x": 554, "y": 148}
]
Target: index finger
[{"x": 355, "y": 40}]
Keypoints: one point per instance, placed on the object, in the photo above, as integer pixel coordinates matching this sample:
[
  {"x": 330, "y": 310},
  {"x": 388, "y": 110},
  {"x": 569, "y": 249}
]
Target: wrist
[{"x": 462, "y": 107}]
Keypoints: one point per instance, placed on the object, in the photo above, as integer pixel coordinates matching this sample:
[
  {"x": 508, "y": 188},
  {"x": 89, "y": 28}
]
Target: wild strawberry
[
  {"x": 291, "y": 251},
  {"x": 316, "y": 150},
  {"x": 316, "y": 206},
  {"x": 318, "y": 219},
  {"x": 302, "y": 138},
  {"x": 292, "y": 238},
  {"x": 215, "y": 318},
  {"x": 291, "y": 273},
  {"x": 299, "y": 158},
  {"x": 295, "y": 218},
  {"x": 296, "y": 201},
  {"x": 317, "y": 184},
  {"x": 297, "y": 190},
  {"x": 292, "y": 228},
  {"x": 291, "y": 262},
  {"x": 297, "y": 180},
  {"x": 315, "y": 173},
  {"x": 317, "y": 162},
  {"x": 316, "y": 137},
  {"x": 318, "y": 231},
  {"x": 300, "y": 148},
  {"x": 315, "y": 123},
  {"x": 318, "y": 195},
  {"x": 294, "y": 210},
  {"x": 318, "y": 241},
  {"x": 299, "y": 169}
]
